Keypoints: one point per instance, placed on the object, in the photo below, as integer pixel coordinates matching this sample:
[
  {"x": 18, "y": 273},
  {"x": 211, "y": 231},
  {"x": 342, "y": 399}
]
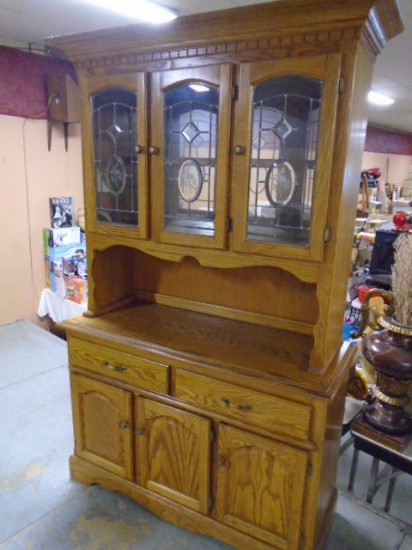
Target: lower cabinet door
[
  {"x": 102, "y": 417},
  {"x": 260, "y": 487},
  {"x": 173, "y": 453}
]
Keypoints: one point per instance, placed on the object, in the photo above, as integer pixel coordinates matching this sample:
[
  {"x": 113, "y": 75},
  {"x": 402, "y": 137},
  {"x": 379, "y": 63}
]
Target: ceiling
[{"x": 30, "y": 21}]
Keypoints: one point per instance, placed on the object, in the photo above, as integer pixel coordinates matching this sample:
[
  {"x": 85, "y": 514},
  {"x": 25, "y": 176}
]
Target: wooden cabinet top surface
[
  {"x": 237, "y": 347},
  {"x": 379, "y": 18}
]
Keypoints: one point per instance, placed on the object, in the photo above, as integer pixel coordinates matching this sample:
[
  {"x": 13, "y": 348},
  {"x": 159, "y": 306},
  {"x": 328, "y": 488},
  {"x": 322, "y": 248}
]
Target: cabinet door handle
[
  {"x": 138, "y": 149},
  {"x": 241, "y": 408},
  {"x": 153, "y": 150},
  {"x": 239, "y": 150},
  {"x": 140, "y": 431},
  {"x": 221, "y": 461},
  {"x": 107, "y": 365},
  {"x": 124, "y": 425}
]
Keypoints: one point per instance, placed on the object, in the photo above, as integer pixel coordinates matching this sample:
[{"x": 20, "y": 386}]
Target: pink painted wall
[
  {"x": 29, "y": 175},
  {"x": 394, "y": 168}
]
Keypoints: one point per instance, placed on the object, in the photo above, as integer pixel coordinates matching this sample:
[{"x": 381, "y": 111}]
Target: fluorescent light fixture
[
  {"x": 379, "y": 99},
  {"x": 142, "y": 10},
  {"x": 199, "y": 87}
]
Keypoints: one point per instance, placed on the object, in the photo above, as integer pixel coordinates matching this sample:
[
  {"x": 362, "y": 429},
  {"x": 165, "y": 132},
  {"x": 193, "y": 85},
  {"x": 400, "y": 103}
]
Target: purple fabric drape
[{"x": 23, "y": 82}]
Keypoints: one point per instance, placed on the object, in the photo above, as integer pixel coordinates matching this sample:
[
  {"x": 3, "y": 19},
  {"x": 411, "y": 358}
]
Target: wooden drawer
[
  {"x": 269, "y": 412},
  {"x": 145, "y": 374}
]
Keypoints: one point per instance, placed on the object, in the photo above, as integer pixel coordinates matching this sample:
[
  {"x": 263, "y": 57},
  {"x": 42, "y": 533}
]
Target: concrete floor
[{"x": 41, "y": 508}]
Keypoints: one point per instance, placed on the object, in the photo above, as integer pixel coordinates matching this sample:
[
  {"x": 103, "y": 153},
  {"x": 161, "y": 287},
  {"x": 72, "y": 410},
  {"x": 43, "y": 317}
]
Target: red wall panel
[
  {"x": 23, "y": 82},
  {"x": 386, "y": 141}
]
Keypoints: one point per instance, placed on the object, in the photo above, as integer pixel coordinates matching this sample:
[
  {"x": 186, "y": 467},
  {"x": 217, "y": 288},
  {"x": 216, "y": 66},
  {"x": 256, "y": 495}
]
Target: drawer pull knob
[
  {"x": 107, "y": 365},
  {"x": 239, "y": 150},
  {"x": 241, "y": 408},
  {"x": 226, "y": 401},
  {"x": 123, "y": 425}
]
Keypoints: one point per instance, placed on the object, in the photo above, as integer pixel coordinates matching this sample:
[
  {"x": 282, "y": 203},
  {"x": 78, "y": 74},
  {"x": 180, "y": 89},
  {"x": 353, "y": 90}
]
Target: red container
[{"x": 362, "y": 290}]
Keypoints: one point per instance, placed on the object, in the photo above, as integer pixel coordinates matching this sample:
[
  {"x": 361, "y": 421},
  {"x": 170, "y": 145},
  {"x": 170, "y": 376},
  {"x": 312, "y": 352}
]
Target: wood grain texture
[
  {"x": 174, "y": 454},
  {"x": 333, "y": 276},
  {"x": 102, "y": 424},
  {"x": 259, "y": 290},
  {"x": 127, "y": 368},
  {"x": 261, "y": 487},
  {"x": 273, "y": 413}
]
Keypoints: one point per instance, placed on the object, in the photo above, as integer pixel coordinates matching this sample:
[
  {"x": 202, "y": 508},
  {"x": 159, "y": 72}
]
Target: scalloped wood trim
[
  {"x": 304, "y": 271},
  {"x": 276, "y": 47}
]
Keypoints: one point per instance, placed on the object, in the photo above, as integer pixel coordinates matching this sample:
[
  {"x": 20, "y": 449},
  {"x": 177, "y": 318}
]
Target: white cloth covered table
[{"x": 58, "y": 308}]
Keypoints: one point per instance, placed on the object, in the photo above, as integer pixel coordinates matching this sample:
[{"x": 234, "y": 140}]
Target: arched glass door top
[
  {"x": 190, "y": 155},
  {"x": 114, "y": 114},
  {"x": 285, "y": 126}
]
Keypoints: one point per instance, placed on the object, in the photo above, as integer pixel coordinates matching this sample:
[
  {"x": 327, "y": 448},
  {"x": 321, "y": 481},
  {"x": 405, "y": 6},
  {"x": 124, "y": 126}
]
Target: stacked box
[
  {"x": 65, "y": 261},
  {"x": 63, "y": 236},
  {"x": 76, "y": 289}
]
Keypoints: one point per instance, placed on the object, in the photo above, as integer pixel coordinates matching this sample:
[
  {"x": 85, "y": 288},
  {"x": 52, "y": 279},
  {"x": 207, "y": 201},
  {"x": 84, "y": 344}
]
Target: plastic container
[{"x": 362, "y": 291}]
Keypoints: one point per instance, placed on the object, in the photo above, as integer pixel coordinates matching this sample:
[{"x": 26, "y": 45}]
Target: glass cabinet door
[
  {"x": 285, "y": 157},
  {"x": 118, "y": 146},
  {"x": 190, "y": 147}
]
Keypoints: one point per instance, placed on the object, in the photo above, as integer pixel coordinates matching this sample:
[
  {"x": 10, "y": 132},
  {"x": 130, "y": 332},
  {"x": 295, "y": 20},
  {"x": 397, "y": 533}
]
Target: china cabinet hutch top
[
  {"x": 222, "y": 155},
  {"x": 235, "y": 201}
]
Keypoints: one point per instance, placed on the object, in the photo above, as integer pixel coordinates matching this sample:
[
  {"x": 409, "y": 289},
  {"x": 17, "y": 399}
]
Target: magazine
[{"x": 61, "y": 211}]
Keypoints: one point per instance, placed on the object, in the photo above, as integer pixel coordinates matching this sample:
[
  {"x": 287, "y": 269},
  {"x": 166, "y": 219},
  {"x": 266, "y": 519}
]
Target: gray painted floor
[{"x": 41, "y": 508}]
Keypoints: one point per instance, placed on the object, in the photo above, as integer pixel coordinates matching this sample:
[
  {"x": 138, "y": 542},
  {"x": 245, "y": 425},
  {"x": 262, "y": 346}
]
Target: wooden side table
[{"x": 395, "y": 452}]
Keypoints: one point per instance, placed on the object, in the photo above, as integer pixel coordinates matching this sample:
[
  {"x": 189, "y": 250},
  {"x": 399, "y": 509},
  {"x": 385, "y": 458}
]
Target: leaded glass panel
[
  {"x": 115, "y": 160},
  {"x": 283, "y": 145},
  {"x": 190, "y": 153}
]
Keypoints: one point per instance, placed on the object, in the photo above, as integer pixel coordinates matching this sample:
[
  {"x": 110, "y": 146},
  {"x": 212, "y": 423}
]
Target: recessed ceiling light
[
  {"x": 142, "y": 10},
  {"x": 379, "y": 99}
]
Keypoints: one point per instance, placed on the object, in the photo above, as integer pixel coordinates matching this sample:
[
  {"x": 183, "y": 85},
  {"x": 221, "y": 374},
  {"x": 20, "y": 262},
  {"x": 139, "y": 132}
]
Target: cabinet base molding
[{"x": 89, "y": 474}]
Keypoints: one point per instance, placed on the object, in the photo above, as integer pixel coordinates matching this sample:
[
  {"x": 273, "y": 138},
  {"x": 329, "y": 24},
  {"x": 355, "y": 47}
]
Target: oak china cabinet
[{"x": 222, "y": 155}]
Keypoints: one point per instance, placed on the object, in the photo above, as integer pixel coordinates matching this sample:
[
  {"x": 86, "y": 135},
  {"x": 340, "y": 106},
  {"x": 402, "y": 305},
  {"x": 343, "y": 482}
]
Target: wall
[
  {"x": 394, "y": 168},
  {"x": 380, "y": 140},
  {"x": 390, "y": 151},
  {"x": 29, "y": 175}
]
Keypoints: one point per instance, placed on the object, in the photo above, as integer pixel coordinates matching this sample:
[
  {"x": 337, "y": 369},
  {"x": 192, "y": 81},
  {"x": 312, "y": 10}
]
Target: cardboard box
[
  {"x": 63, "y": 236},
  {"x": 64, "y": 260},
  {"x": 76, "y": 289}
]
